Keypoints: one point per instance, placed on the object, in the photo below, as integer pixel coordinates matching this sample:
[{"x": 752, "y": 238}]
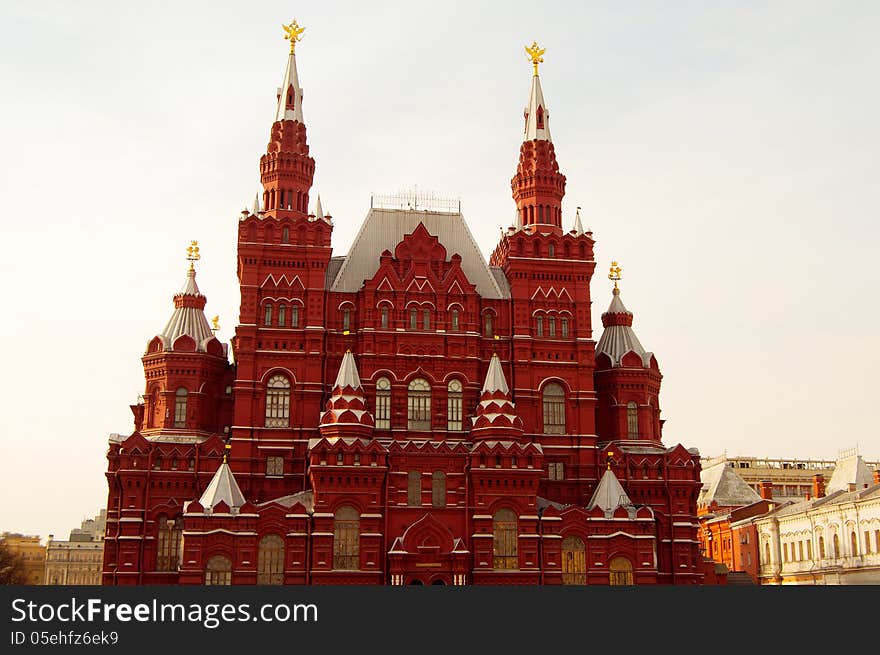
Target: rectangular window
[
  {"x": 426, "y": 319},
  {"x": 867, "y": 543},
  {"x": 455, "y": 320},
  {"x": 453, "y": 411},
  {"x": 294, "y": 316},
  {"x": 556, "y": 470},
  {"x": 346, "y": 319},
  {"x": 809, "y": 549},
  {"x": 413, "y": 319},
  {"x": 384, "y": 317},
  {"x": 267, "y": 317},
  {"x": 551, "y": 326},
  {"x": 784, "y": 552},
  {"x": 563, "y": 323},
  {"x": 274, "y": 465},
  {"x": 414, "y": 489},
  {"x": 487, "y": 325},
  {"x": 539, "y": 326},
  {"x": 800, "y": 551}
]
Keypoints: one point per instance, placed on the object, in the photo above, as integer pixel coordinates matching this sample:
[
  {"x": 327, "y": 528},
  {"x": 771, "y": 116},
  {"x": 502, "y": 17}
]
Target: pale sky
[{"x": 725, "y": 153}]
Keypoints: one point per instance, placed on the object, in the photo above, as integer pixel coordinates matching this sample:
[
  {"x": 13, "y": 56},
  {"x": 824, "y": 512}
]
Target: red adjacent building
[{"x": 407, "y": 413}]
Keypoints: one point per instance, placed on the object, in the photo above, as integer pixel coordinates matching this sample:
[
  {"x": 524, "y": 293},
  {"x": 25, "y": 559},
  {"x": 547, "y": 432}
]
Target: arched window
[
  {"x": 488, "y": 329},
  {"x": 218, "y": 571},
  {"x": 504, "y": 540},
  {"x": 413, "y": 319},
  {"x": 821, "y": 547},
  {"x": 539, "y": 326},
  {"x": 426, "y": 319},
  {"x": 346, "y": 539},
  {"x": 270, "y": 560},
  {"x": 168, "y": 544},
  {"x": 767, "y": 552},
  {"x": 554, "y": 409},
  {"x": 267, "y": 314},
  {"x": 563, "y": 324},
  {"x": 620, "y": 572},
  {"x": 282, "y": 315},
  {"x": 836, "y": 543},
  {"x": 453, "y": 406},
  {"x": 278, "y": 402},
  {"x": 154, "y": 408},
  {"x": 454, "y": 321},
  {"x": 574, "y": 561},
  {"x": 383, "y": 404},
  {"x": 551, "y": 250},
  {"x": 285, "y": 235},
  {"x": 551, "y": 326},
  {"x": 383, "y": 314},
  {"x": 632, "y": 420},
  {"x": 346, "y": 319},
  {"x": 294, "y": 316},
  {"x": 419, "y": 405},
  {"x": 414, "y": 489},
  {"x": 854, "y": 544},
  {"x": 438, "y": 489},
  {"x": 180, "y": 407}
]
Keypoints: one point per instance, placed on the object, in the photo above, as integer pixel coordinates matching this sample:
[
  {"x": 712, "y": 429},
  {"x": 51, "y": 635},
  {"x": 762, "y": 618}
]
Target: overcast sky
[{"x": 726, "y": 153}]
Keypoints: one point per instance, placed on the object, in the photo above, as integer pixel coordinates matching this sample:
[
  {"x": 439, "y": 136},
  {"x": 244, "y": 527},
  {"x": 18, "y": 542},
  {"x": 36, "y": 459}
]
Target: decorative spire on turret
[
  {"x": 222, "y": 489},
  {"x": 496, "y": 416},
  {"x": 188, "y": 318},
  {"x": 319, "y": 211},
  {"x": 619, "y": 338},
  {"x": 538, "y": 186},
  {"x": 346, "y": 411},
  {"x": 578, "y": 226},
  {"x": 255, "y": 209},
  {"x": 289, "y": 93},
  {"x": 609, "y": 495}
]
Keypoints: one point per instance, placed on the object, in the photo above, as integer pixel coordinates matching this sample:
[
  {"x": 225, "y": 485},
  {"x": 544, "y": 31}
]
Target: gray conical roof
[
  {"x": 222, "y": 487},
  {"x": 609, "y": 495}
]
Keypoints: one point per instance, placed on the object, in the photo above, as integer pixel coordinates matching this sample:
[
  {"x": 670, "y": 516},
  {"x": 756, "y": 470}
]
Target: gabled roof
[
  {"x": 383, "y": 229},
  {"x": 222, "y": 487},
  {"x": 609, "y": 495},
  {"x": 724, "y": 486},
  {"x": 850, "y": 470}
]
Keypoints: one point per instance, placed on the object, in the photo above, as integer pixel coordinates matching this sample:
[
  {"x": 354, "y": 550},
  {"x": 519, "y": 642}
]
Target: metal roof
[
  {"x": 222, "y": 487},
  {"x": 291, "y": 78},
  {"x": 850, "y": 470},
  {"x": 536, "y": 99},
  {"x": 609, "y": 495},
  {"x": 187, "y": 320},
  {"x": 618, "y": 340},
  {"x": 724, "y": 486},
  {"x": 383, "y": 229},
  {"x": 495, "y": 380}
]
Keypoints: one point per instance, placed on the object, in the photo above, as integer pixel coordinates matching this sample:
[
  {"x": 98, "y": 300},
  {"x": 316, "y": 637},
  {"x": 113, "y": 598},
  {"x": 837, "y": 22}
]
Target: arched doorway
[
  {"x": 574, "y": 561},
  {"x": 620, "y": 571}
]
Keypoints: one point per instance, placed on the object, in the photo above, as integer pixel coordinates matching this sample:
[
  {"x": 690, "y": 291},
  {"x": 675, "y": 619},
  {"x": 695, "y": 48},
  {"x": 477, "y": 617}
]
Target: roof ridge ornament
[
  {"x": 614, "y": 276},
  {"x": 535, "y": 53},
  {"x": 192, "y": 254},
  {"x": 293, "y": 33}
]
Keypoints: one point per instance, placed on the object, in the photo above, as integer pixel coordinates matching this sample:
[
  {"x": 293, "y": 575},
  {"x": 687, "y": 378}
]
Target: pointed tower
[
  {"x": 538, "y": 186},
  {"x": 346, "y": 414},
  {"x": 222, "y": 489},
  {"x": 627, "y": 377},
  {"x": 496, "y": 416},
  {"x": 286, "y": 170},
  {"x": 186, "y": 368},
  {"x": 609, "y": 494}
]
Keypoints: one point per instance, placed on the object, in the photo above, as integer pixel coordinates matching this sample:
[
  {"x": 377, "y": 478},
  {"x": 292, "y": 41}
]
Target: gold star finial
[
  {"x": 293, "y": 33},
  {"x": 192, "y": 253},
  {"x": 536, "y": 55},
  {"x": 614, "y": 274}
]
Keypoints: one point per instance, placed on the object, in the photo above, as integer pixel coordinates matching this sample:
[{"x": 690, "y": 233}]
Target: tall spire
[
  {"x": 578, "y": 226},
  {"x": 287, "y": 170},
  {"x": 290, "y": 93},
  {"x": 346, "y": 411},
  {"x": 538, "y": 186}
]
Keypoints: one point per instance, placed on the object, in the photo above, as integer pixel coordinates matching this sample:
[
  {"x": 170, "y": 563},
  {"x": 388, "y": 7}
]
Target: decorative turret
[
  {"x": 286, "y": 170},
  {"x": 618, "y": 339},
  {"x": 346, "y": 414},
  {"x": 538, "y": 186},
  {"x": 627, "y": 377},
  {"x": 186, "y": 367},
  {"x": 496, "y": 416}
]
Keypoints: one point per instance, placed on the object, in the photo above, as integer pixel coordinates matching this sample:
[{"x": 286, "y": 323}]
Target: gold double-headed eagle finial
[
  {"x": 536, "y": 55},
  {"x": 614, "y": 274},
  {"x": 293, "y": 33},
  {"x": 192, "y": 253},
  {"x": 215, "y": 323}
]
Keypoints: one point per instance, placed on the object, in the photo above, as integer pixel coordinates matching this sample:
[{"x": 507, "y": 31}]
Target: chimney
[
  {"x": 818, "y": 486},
  {"x": 876, "y": 476},
  {"x": 766, "y": 489}
]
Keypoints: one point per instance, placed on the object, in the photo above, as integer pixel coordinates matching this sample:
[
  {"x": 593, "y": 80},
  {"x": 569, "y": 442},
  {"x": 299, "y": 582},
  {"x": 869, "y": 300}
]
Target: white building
[{"x": 834, "y": 539}]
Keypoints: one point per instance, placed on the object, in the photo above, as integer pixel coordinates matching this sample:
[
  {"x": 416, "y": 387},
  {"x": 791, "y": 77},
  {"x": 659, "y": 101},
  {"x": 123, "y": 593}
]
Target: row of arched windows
[
  {"x": 346, "y": 549},
  {"x": 419, "y": 319},
  {"x": 546, "y": 326},
  {"x": 285, "y": 199},
  {"x": 546, "y": 214},
  {"x": 281, "y": 315},
  {"x": 418, "y": 405}
]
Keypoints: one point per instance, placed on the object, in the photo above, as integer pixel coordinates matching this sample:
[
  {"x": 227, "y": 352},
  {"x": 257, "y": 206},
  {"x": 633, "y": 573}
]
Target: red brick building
[{"x": 406, "y": 413}]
